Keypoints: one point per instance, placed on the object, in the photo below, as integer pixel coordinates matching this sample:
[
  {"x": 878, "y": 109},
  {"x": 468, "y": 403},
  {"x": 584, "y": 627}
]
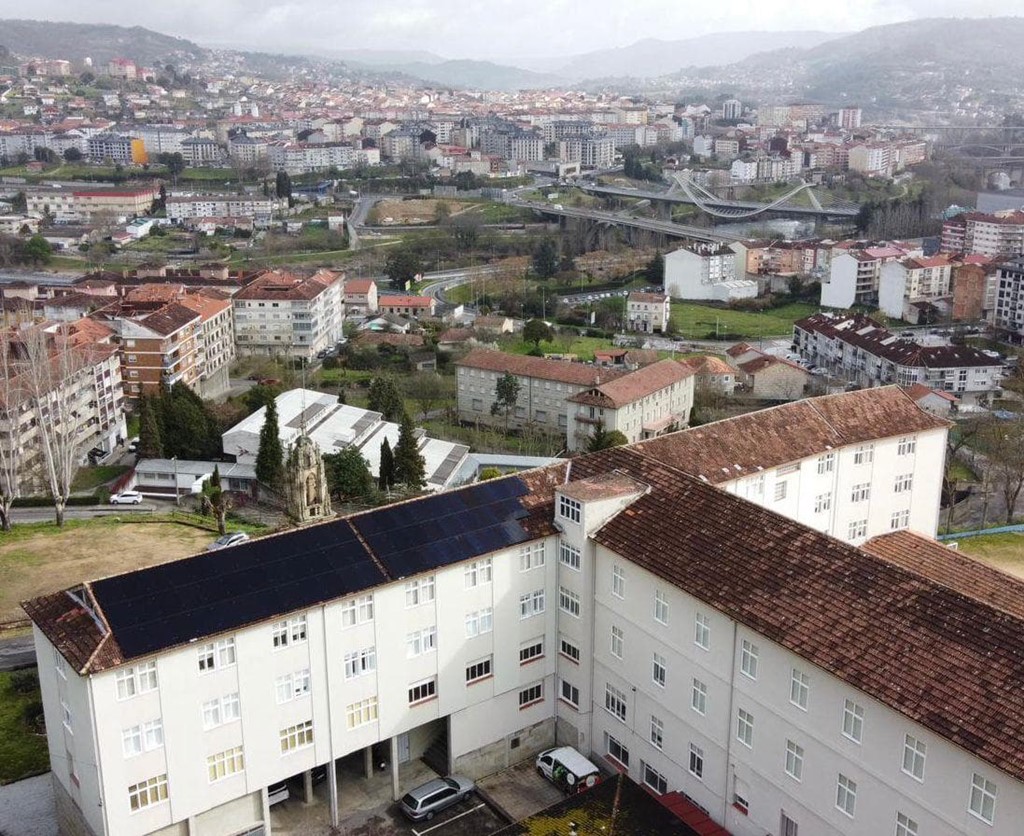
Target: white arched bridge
[{"x": 685, "y": 190}]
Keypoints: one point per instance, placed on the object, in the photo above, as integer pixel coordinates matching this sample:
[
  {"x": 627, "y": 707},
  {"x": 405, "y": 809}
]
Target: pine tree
[
  {"x": 386, "y": 477},
  {"x": 385, "y": 398},
  {"x": 270, "y": 458},
  {"x": 151, "y": 445},
  {"x": 410, "y": 469}
]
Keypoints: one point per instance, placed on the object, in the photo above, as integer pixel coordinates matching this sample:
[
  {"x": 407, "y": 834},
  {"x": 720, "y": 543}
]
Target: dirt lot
[
  {"x": 1004, "y": 551},
  {"x": 37, "y": 560},
  {"x": 408, "y": 212}
]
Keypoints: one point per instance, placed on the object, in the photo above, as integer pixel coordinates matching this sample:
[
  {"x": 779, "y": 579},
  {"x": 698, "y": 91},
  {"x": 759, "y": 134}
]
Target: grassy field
[
  {"x": 36, "y": 559},
  {"x": 23, "y": 753},
  {"x": 1003, "y": 551},
  {"x": 695, "y": 321},
  {"x": 90, "y": 478}
]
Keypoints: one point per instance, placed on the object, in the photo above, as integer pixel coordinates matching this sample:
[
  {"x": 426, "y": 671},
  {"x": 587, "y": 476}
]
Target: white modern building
[
  {"x": 183, "y": 207},
  {"x": 672, "y": 630},
  {"x": 854, "y": 276},
  {"x": 648, "y": 312},
  {"x": 707, "y": 271},
  {"x": 908, "y": 281}
]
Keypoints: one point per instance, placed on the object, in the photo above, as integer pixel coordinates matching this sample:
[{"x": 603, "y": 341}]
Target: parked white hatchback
[{"x": 126, "y": 498}]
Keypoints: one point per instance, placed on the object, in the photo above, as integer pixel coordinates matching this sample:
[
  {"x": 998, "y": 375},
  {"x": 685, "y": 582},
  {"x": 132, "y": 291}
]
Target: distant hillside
[
  {"x": 479, "y": 75},
  {"x": 653, "y": 57},
  {"x": 101, "y": 42}
]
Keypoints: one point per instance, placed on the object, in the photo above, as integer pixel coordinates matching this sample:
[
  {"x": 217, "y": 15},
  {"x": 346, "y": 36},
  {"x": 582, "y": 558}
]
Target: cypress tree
[
  {"x": 151, "y": 445},
  {"x": 270, "y": 458},
  {"x": 410, "y": 468},
  {"x": 386, "y": 477}
]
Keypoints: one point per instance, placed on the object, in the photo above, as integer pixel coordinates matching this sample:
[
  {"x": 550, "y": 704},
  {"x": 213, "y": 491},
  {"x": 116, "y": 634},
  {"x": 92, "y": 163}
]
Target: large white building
[
  {"x": 786, "y": 681},
  {"x": 906, "y": 281},
  {"x": 707, "y": 271},
  {"x": 182, "y": 207},
  {"x": 854, "y": 276},
  {"x": 281, "y": 314}
]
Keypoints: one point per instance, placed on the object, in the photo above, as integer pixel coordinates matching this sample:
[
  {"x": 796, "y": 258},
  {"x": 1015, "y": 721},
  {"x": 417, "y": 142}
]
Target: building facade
[{"x": 648, "y": 312}]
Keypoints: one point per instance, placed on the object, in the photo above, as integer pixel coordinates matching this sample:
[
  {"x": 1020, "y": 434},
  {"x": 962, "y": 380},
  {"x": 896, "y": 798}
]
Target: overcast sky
[{"x": 496, "y": 29}]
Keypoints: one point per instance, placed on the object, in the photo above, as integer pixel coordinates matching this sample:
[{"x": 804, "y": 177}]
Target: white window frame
[
  {"x": 857, "y": 529},
  {"x": 421, "y": 641},
  {"x": 420, "y": 591},
  {"x": 570, "y": 694},
  {"x": 702, "y": 631},
  {"x": 906, "y": 446},
  {"x": 532, "y": 556},
  {"x": 861, "y": 492},
  {"x": 478, "y": 573},
  {"x": 570, "y": 555},
  {"x": 479, "y": 622},
  {"x": 422, "y": 691},
  {"x": 654, "y": 780},
  {"x": 531, "y": 695},
  {"x": 360, "y": 662},
  {"x": 615, "y": 702},
  {"x": 214, "y": 656},
  {"x": 225, "y": 764},
  {"x": 138, "y": 679},
  {"x": 615, "y": 750},
  {"x": 618, "y": 581},
  {"x": 982, "y": 803},
  {"x": 361, "y": 713},
  {"x": 904, "y": 483},
  {"x": 617, "y": 642},
  {"x": 659, "y": 670},
  {"x": 899, "y": 520},
  {"x": 298, "y": 736},
  {"x": 695, "y": 763},
  {"x": 657, "y": 732},
  {"x": 915, "y": 751},
  {"x": 846, "y": 795},
  {"x": 748, "y": 659},
  {"x": 794, "y": 760},
  {"x": 480, "y": 669},
  {"x": 147, "y": 793},
  {"x": 531, "y": 650},
  {"x": 358, "y": 610},
  {"x": 799, "y": 689},
  {"x": 745, "y": 727},
  {"x": 289, "y": 631},
  {"x": 905, "y": 826},
  {"x": 864, "y": 454},
  {"x": 570, "y": 509},
  {"x": 569, "y": 602},
  {"x": 531, "y": 604},
  {"x": 823, "y": 502},
  {"x": 699, "y": 697},
  {"x": 661, "y": 607},
  {"x": 853, "y": 721},
  {"x": 569, "y": 649},
  {"x": 826, "y": 463}
]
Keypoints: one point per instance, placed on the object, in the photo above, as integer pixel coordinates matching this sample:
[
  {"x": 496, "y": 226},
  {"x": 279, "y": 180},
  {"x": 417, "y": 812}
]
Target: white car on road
[{"x": 126, "y": 498}]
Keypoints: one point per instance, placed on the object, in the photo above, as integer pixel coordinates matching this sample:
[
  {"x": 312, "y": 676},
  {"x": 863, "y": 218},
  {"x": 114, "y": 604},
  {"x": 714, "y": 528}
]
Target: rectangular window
[
  {"x": 478, "y": 573},
  {"x": 147, "y": 793},
  {"x": 748, "y": 659},
  {"x": 618, "y": 582},
  {"x": 136, "y": 680},
  {"x": 360, "y": 662},
  {"x": 822, "y": 502},
  {"x": 569, "y": 649},
  {"x": 570, "y": 694},
  {"x": 787, "y": 827},
  {"x": 827, "y": 463},
  {"x": 569, "y": 509},
  {"x": 660, "y": 670},
  {"x": 864, "y": 454},
  {"x": 422, "y": 691},
  {"x": 531, "y": 604},
  {"x": 899, "y": 519},
  {"x": 568, "y": 555},
  {"x": 858, "y": 529},
  {"x": 479, "y": 622},
  {"x": 216, "y": 655},
  {"x": 660, "y": 607},
  {"x": 59, "y": 664},
  {"x": 225, "y": 763},
  {"x": 904, "y": 483},
  {"x": 655, "y": 780},
  {"x": 419, "y": 591},
  {"x": 617, "y": 642},
  {"x": 531, "y": 556},
  {"x": 860, "y": 493},
  {"x": 983, "y": 798},
  {"x": 853, "y": 721},
  {"x": 745, "y": 728},
  {"x": 569, "y": 602},
  {"x": 846, "y": 795},
  {"x": 657, "y": 732},
  {"x": 615, "y": 702},
  {"x": 357, "y": 611},
  {"x": 421, "y": 641},
  {"x": 531, "y": 650},
  {"x": 799, "y": 689},
  {"x": 702, "y": 631},
  {"x": 616, "y": 750},
  {"x": 360, "y": 713},
  {"x": 296, "y": 737},
  {"x": 905, "y": 826},
  {"x": 696, "y": 765},
  {"x": 290, "y": 631},
  {"x": 699, "y": 697},
  {"x": 217, "y": 712},
  {"x": 531, "y": 694},
  {"x": 914, "y": 752},
  {"x": 480, "y": 669},
  {"x": 780, "y": 491},
  {"x": 906, "y": 446},
  {"x": 794, "y": 760}
]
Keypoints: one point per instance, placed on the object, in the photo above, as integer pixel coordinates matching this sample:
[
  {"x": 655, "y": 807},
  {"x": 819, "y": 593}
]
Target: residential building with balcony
[
  {"x": 905, "y": 282},
  {"x": 216, "y": 338},
  {"x": 361, "y": 297},
  {"x": 859, "y": 349},
  {"x": 707, "y": 271},
  {"x": 854, "y": 275},
  {"x": 997, "y": 235},
  {"x": 88, "y": 205},
  {"x": 159, "y": 349},
  {"x": 280, "y": 314},
  {"x": 648, "y": 312},
  {"x": 184, "y": 207},
  {"x": 669, "y": 629},
  {"x": 1009, "y": 311},
  {"x": 975, "y": 288}
]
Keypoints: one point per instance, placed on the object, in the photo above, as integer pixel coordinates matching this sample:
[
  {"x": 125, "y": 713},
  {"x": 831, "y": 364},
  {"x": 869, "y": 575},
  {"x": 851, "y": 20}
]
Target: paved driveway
[{"x": 26, "y": 808}]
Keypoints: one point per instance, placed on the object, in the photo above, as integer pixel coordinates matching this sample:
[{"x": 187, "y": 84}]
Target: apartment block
[
  {"x": 159, "y": 349},
  {"x": 909, "y": 281},
  {"x": 283, "y": 314},
  {"x": 648, "y": 312},
  {"x": 998, "y": 235},
  {"x": 1009, "y": 312},
  {"x": 182, "y": 207},
  {"x": 216, "y": 339},
  {"x": 361, "y": 297},
  {"x": 854, "y": 275},
  {"x": 707, "y": 271},
  {"x": 85, "y": 205},
  {"x": 672, "y": 630}
]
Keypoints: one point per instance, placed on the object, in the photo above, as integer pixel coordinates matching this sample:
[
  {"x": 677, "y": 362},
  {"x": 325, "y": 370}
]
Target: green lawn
[
  {"x": 90, "y": 478},
  {"x": 23, "y": 753},
  {"x": 695, "y": 321},
  {"x": 1004, "y": 551}
]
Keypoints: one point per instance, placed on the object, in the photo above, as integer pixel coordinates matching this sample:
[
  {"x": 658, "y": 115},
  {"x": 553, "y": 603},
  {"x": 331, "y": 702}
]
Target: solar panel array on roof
[
  {"x": 163, "y": 606},
  {"x": 445, "y": 528}
]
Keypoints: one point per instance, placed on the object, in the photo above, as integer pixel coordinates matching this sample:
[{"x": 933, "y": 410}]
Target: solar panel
[
  {"x": 446, "y": 528},
  {"x": 173, "y": 603}
]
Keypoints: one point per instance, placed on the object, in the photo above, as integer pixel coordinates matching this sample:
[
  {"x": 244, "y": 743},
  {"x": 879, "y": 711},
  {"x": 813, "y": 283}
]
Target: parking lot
[{"x": 467, "y": 818}]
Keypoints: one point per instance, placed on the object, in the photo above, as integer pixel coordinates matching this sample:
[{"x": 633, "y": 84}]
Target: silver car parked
[{"x": 434, "y": 796}]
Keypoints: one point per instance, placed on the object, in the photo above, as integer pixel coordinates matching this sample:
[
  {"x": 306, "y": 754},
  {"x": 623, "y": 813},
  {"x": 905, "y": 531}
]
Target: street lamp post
[{"x": 177, "y": 496}]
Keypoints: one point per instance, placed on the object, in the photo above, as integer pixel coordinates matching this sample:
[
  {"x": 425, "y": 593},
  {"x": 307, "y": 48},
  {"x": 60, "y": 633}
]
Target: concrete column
[
  {"x": 307, "y": 786},
  {"x": 396, "y": 790},
  {"x": 368, "y": 762},
  {"x": 267, "y": 829},
  {"x": 332, "y": 790}
]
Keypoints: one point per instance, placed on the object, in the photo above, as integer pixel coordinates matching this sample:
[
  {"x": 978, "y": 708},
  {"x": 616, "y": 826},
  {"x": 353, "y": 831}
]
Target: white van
[{"x": 568, "y": 769}]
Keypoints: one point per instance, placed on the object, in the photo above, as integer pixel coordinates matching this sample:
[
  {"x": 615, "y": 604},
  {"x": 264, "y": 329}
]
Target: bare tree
[
  {"x": 1004, "y": 450},
  {"x": 53, "y": 374},
  {"x": 12, "y": 398}
]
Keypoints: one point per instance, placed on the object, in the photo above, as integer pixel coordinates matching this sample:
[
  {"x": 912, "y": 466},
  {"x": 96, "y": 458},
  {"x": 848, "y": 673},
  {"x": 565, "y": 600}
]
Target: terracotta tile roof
[
  {"x": 953, "y": 569},
  {"x": 169, "y": 318},
  {"x": 207, "y": 306},
  {"x": 919, "y": 391},
  {"x": 73, "y": 631},
  {"x": 604, "y": 486},
  {"x": 652, "y": 298},
  {"x": 708, "y": 364},
  {"x": 387, "y": 338},
  {"x": 949, "y": 662},
  {"x": 735, "y": 447},
  {"x": 155, "y": 293},
  {"x": 405, "y": 301},
  {"x": 456, "y": 335},
  {"x": 562, "y": 371},
  {"x": 636, "y": 385},
  {"x": 276, "y": 284},
  {"x": 739, "y": 349},
  {"x": 359, "y": 285}
]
